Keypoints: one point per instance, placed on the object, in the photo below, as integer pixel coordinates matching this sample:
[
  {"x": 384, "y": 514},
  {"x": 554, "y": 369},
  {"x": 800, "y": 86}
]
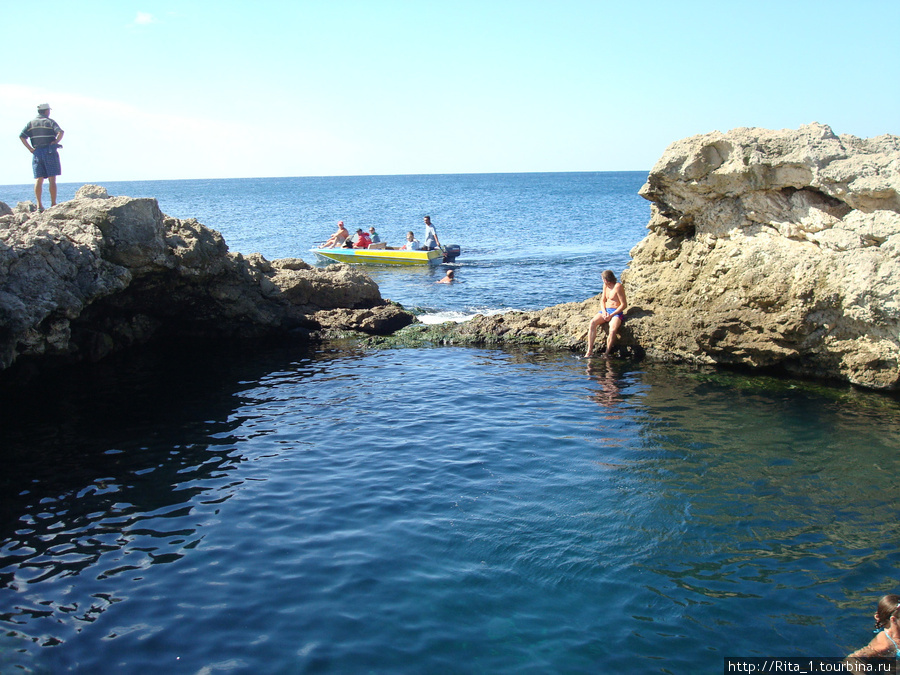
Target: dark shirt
[{"x": 42, "y": 131}]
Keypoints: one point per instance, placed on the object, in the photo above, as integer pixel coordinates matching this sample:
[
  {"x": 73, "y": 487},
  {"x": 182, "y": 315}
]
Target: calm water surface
[
  {"x": 438, "y": 510},
  {"x": 448, "y": 510}
]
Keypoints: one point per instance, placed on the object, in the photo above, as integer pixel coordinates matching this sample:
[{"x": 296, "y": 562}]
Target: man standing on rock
[{"x": 45, "y": 136}]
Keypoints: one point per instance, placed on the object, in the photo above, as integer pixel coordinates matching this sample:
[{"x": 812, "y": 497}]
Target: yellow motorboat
[{"x": 385, "y": 256}]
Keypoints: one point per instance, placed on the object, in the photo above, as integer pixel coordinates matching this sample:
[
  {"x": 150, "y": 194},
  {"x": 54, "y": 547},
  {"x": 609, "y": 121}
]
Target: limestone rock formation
[
  {"x": 100, "y": 273},
  {"x": 774, "y": 248},
  {"x": 766, "y": 249}
]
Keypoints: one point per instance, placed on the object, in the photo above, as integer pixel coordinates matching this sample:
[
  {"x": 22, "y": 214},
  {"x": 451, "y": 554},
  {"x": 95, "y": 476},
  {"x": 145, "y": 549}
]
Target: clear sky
[{"x": 163, "y": 89}]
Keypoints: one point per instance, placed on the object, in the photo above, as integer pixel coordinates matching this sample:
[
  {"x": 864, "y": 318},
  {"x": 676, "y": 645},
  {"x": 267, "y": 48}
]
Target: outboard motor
[{"x": 450, "y": 252}]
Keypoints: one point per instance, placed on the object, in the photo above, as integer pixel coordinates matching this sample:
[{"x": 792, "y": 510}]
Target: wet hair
[
  {"x": 449, "y": 273},
  {"x": 609, "y": 276},
  {"x": 888, "y": 606}
]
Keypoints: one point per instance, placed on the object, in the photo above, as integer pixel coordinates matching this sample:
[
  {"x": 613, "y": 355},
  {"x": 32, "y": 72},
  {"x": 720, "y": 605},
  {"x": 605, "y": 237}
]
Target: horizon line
[{"x": 361, "y": 175}]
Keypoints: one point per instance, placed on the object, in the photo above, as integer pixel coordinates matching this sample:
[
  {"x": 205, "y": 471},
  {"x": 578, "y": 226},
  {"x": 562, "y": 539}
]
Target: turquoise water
[{"x": 449, "y": 510}]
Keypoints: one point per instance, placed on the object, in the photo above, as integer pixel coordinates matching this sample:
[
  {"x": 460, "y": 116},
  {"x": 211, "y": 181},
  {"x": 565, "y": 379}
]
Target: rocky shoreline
[
  {"x": 777, "y": 250},
  {"x": 766, "y": 249},
  {"x": 100, "y": 274}
]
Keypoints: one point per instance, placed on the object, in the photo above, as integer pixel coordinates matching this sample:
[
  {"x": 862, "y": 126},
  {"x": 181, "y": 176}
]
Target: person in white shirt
[
  {"x": 431, "y": 238},
  {"x": 412, "y": 244}
]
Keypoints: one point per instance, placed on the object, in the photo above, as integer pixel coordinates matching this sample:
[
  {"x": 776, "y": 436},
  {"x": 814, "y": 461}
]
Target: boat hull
[{"x": 356, "y": 256}]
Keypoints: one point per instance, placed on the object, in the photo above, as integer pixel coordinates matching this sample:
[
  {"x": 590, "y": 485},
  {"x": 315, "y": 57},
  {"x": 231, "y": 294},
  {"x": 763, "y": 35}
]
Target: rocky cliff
[
  {"x": 774, "y": 248},
  {"x": 98, "y": 274},
  {"x": 766, "y": 249}
]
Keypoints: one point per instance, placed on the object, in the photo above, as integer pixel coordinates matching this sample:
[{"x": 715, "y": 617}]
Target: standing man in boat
[
  {"x": 45, "y": 136},
  {"x": 431, "y": 238}
]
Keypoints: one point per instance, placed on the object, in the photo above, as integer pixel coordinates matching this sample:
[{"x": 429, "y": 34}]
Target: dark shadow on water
[
  {"x": 103, "y": 465},
  {"x": 126, "y": 414}
]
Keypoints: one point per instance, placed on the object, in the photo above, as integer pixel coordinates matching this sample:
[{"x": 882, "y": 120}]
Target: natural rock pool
[{"x": 437, "y": 510}]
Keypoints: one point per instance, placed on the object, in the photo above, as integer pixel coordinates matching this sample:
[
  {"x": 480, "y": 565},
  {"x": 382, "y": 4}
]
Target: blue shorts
[
  {"x": 610, "y": 310},
  {"x": 45, "y": 162}
]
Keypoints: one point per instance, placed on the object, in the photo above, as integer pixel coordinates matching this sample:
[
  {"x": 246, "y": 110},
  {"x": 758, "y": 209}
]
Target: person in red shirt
[{"x": 362, "y": 239}]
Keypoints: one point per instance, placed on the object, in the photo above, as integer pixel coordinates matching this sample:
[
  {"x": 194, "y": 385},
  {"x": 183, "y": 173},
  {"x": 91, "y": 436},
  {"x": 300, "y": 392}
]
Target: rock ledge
[{"x": 98, "y": 274}]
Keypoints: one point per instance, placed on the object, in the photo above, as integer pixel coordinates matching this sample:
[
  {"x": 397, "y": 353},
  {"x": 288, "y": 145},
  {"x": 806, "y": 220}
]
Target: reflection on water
[
  {"x": 606, "y": 373},
  {"x": 405, "y": 510},
  {"x": 107, "y": 471}
]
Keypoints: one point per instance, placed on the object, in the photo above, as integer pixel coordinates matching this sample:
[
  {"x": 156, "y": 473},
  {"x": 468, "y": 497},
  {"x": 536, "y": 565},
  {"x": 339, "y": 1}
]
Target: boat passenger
[
  {"x": 613, "y": 304},
  {"x": 412, "y": 244},
  {"x": 431, "y": 238},
  {"x": 361, "y": 240},
  {"x": 337, "y": 239},
  {"x": 886, "y": 643},
  {"x": 373, "y": 235}
]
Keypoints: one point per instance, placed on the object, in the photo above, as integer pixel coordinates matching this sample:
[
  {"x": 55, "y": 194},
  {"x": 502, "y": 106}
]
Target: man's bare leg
[
  {"x": 614, "y": 324},
  {"x": 592, "y": 333},
  {"x": 38, "y": 192}
]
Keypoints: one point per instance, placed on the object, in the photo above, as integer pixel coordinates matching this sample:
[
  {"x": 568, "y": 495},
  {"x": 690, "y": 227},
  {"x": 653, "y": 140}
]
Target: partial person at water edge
[
  {"x": 613, "y": 305},
  {"x": 886, "y": 643}
]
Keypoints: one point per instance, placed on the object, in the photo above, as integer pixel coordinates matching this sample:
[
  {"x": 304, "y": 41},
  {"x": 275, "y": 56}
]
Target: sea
[{"x": 345, "y": 509}]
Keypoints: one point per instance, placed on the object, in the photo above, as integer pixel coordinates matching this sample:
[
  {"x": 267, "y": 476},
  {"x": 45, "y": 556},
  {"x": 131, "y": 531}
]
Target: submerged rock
[{"x": 99, "y": 273}]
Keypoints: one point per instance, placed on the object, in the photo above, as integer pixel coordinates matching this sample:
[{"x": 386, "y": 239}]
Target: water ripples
[{"x": 451, "y": 509}]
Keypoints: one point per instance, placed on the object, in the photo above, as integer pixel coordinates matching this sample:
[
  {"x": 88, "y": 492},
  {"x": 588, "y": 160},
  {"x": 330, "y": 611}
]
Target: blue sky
[{"x": 167, "y": 89}]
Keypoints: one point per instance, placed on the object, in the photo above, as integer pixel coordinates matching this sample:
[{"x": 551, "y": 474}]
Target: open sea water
[{"x": 447, "y": 510}]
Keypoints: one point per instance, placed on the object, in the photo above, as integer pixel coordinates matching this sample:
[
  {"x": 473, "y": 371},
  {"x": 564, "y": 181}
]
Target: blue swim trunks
[
  {"x": 45, "y": 162},
  {"x": 611, "y": 310}
]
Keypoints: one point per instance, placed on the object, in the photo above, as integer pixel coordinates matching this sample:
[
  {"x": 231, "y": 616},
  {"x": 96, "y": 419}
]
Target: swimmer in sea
[
  {"x": 447, "y": 279},
  {"x": 886, "y": 643},
  {"x": 613, "y": 313}
]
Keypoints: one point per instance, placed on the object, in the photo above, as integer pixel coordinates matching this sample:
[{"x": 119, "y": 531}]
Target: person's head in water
[
  {"x": 609, "y": 277},
  {"x": 888, "y": 606},
  {"x": 450, "y": 274}
]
